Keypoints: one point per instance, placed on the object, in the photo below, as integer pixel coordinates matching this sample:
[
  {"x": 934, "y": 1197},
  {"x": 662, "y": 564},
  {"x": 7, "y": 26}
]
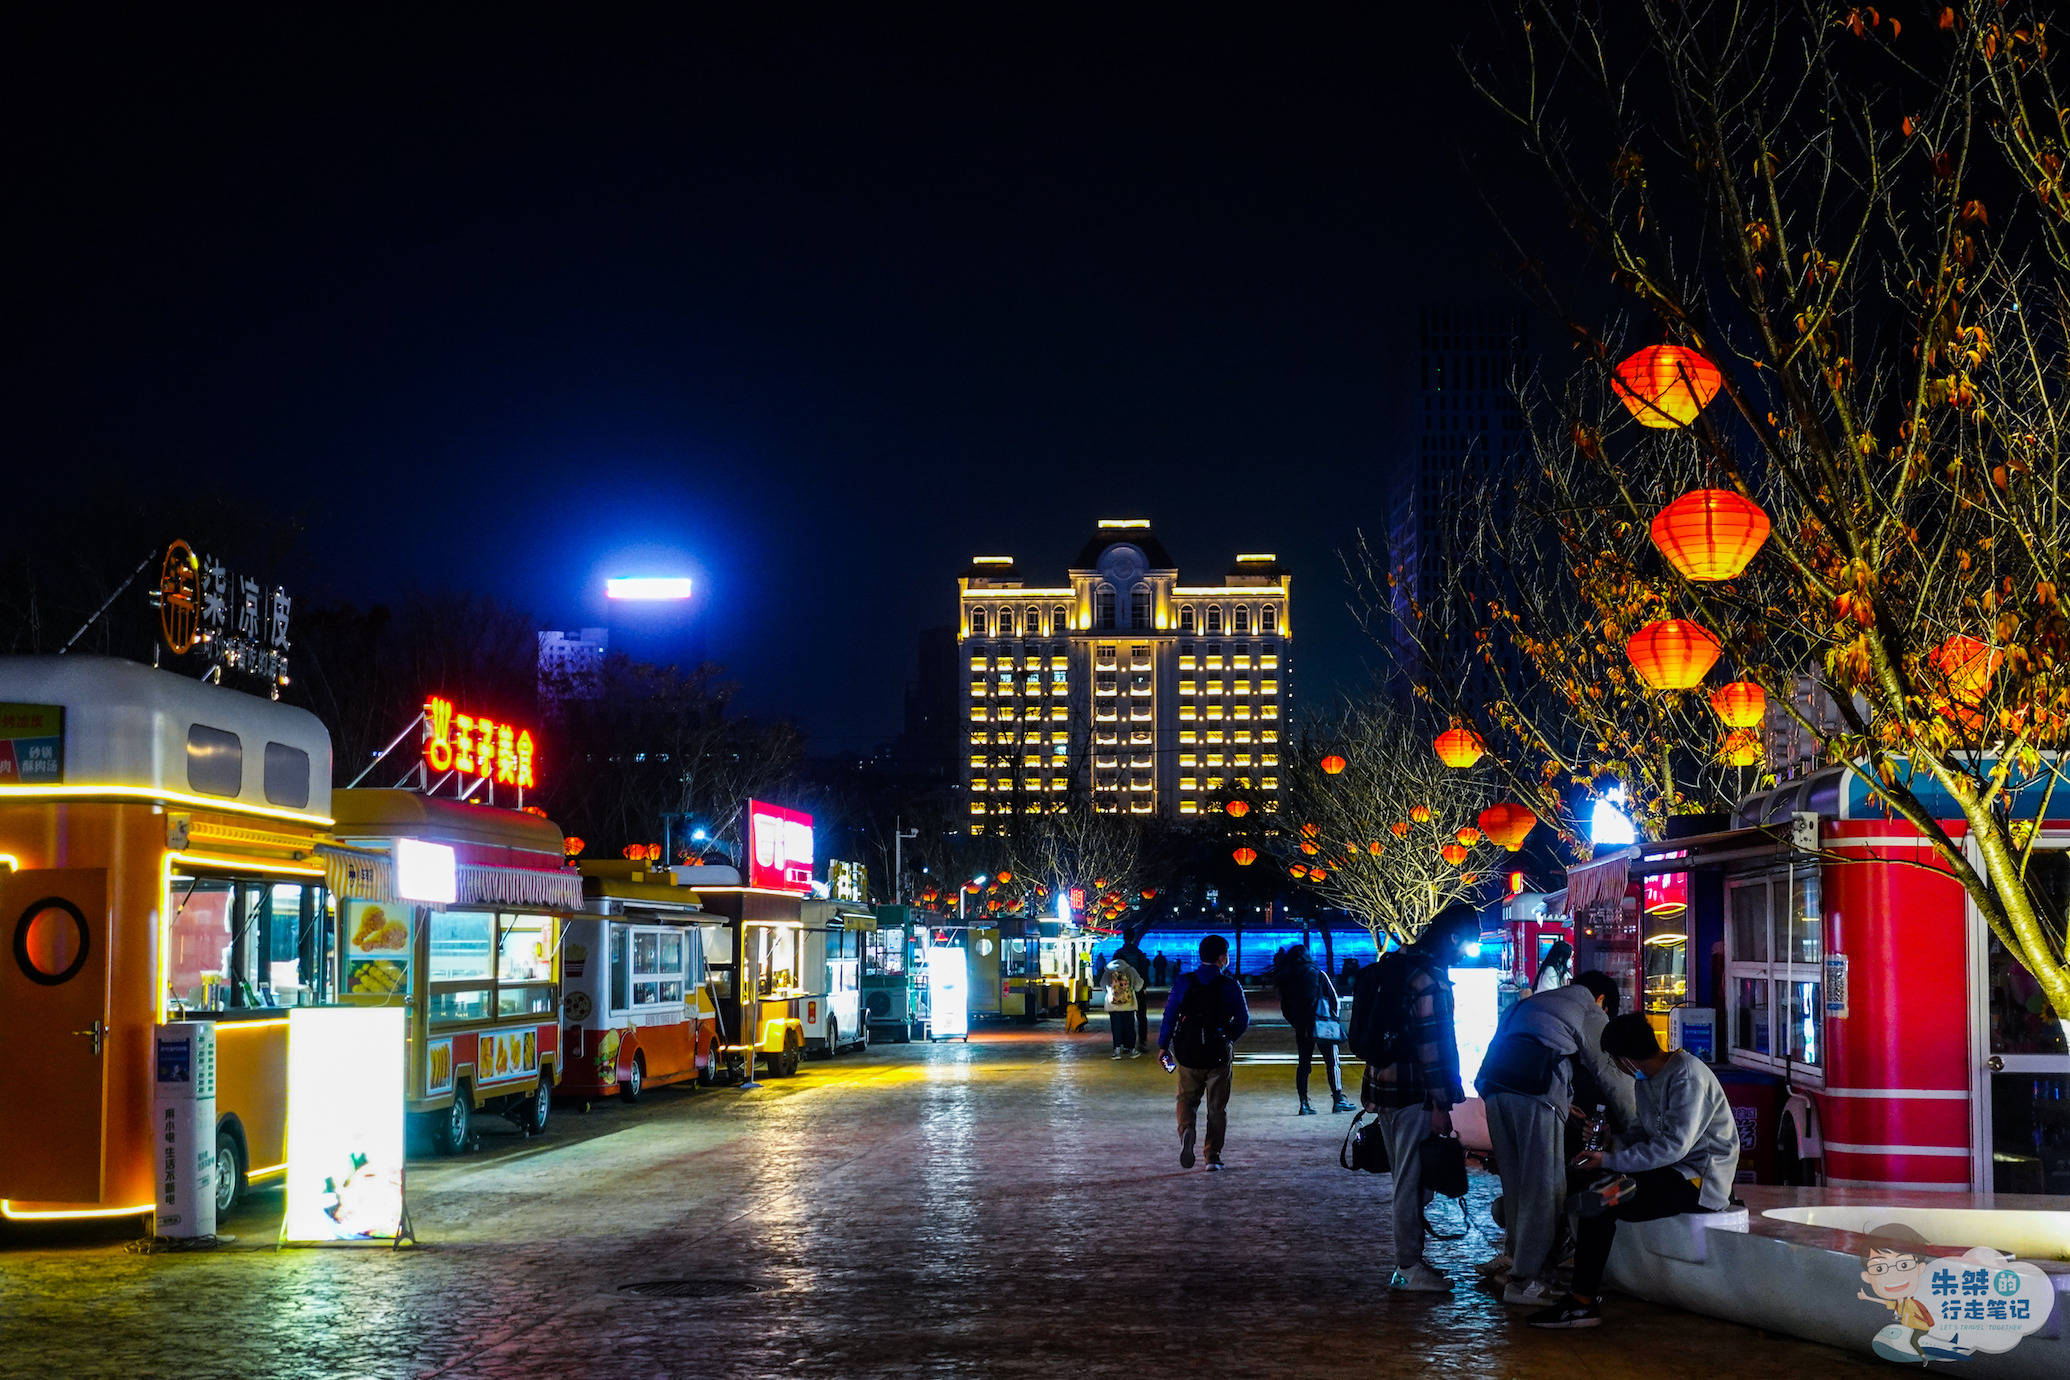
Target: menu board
[
  {"x": 32, "y": 745},
  {"x": 345, "y": 1124},
  {"x": 378, "y": 949}
]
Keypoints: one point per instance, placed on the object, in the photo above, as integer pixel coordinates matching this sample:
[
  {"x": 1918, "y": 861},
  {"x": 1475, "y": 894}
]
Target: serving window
[
  {"x": 650, "y": 966},
  {"x": 245, "y": 944},
  {"x": 483, "y": 963},
  {"x": 1774, "y": 955}
]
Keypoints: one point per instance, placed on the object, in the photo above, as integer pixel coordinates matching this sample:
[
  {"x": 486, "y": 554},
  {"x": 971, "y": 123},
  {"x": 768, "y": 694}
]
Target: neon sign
[
  {"x": 779, "y": 848},
  {"x": 474, "y": 745}
]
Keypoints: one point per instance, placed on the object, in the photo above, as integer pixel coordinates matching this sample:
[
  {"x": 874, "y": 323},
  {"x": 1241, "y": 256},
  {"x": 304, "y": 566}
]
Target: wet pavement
[{"x": 1008, "y": 1207}]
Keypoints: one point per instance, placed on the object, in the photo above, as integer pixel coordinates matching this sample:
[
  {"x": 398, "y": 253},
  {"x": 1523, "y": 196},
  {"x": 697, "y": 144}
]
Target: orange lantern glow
[
  {"x": 1420, "y": 813},
  {"x": 1316, "y": 874},
  {"x": 1468, "y": 836},
  {"x": 1376, "y": 848},
  {"x": 1453, "y": 853},
  {"x": 1741, "y": 704},
  {"x": 1005, "y": 877},
  {"x": 1710, "y": 534},
  {"x": 1742, "y": 747},
  {"x": 1099, "y": 881},
  {"x": 1665, "y": 386},
  {"x": 1309, "y": 831},
  {"x": 1237, "y": 809},
  {"x": 1509, "y": 824},
  {"x": 1968, "y": 666},
  {"x": 1333, "y": 764},
  {"x": 1149, "y": 893},
  {"x": 1298, "y": 870},
  {"x": 1310, "y": 847},
  {"x": 1245, "y": 856},
  {"x": 571, "y": 846},
  {"x": 1516, "y": 883},
  {"x": 1672, "y": 654},
  {"x": 1459, "y": 747},
  {"x": 1400, "y": 828}
]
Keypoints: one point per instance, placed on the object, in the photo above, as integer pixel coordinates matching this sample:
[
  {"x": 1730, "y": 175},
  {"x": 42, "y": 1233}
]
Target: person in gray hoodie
[
  {"x": 1528, "y": 1084},
  {"x": 1680, "y": 1156}
]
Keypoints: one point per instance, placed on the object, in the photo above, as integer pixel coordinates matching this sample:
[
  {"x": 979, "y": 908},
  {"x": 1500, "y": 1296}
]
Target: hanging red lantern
[
  {"x": 1099, "y": 882},
  {"x": 1420, "y": 813},
  {"x": 1509, "y": 824},
  {"x": 1041, "y": 890},
  {"x": 1005, "y": 877},
  {"x": 1237, "y": 809},
  {"x": 1710, "y": 534},
  {"x": 1309, "y": 831},
  {"x": 1672, "y": 654},
  {"x": 571, "y": 846},
  {"x": 1468, "y": 836},
  {"x": 1310, "y": 847},
  {"x": 971, "y": 887},
  {"x": 1333, "y": 764},
  {"x": 633, "y": 852},
  {"x": 1245, "y": 856},
  {"x": 1376, "y": 848},
  {"x": 1967, "y": 666},
  {"x": 1453, "y": 853},
  {"x": 1149, "y": 893},
  {"x": 992, "y": 905},
  {"x": 1470, "y": 878},
  {"x": 1400, "y": 828},
  {"x": 1316, "y": 874},
  {"x": 1665, "y": 386},
  {"x": 1742, "y": 747},
  {"x": 1459, "y": 747},
  {"x": 1742, "y": 704},
  {"x": 1298, "y": 870}
]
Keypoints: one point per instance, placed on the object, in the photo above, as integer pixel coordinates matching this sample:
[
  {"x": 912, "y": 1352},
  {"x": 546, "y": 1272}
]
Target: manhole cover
[{"x": 687, "y": 1288}]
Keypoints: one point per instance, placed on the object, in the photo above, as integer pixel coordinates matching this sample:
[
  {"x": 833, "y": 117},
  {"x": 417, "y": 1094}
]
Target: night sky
[{"x": 811, "y": 309}]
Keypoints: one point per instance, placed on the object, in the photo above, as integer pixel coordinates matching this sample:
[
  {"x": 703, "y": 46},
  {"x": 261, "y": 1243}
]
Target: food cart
[
  {"x": 833, "y": 940},
  {"x": 894, "y": 974},
  {"x": 160, "y": 859},
  {"x": 469, "y": 944},
  {"x": 755, "y": 971},
  {"x": 636, "y": 1011}
]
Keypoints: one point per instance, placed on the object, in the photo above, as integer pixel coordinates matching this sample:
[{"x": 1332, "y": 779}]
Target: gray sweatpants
[
  {"x": 1527, "y": 1137},
  {"x": 1405, "y": 1129}
]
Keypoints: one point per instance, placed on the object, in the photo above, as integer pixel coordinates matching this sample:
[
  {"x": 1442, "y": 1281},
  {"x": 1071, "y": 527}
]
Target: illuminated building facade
[
  {"x": 1122, "y": 683},
  {"x": 571, "y": 664}
]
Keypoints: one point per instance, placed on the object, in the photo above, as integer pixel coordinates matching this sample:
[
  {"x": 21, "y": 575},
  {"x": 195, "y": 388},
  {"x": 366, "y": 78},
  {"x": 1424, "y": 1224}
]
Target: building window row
[
  {"x": 1029, "y": 622},
  {"x": 1242, "y": 618}
]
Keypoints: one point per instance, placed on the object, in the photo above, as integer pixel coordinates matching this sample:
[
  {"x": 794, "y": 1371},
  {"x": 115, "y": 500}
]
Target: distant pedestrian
[
  {"x": 1204, "y": 1016},
  {"x": 1306, "y": 993},
  {"x": 1349, "y": 977},
  {"x": 1528, "y": 1082},
  {"x": 1124, "y": 1002},
  {"x": 1403, "y": 1029},
  {"x": 1157, "y": 967}
]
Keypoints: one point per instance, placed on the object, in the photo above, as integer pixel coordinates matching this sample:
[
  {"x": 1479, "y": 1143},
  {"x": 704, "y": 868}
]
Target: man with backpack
[
  {"x": 1204, "y": 1014},
  {"x": 1401, "y": 1026}
]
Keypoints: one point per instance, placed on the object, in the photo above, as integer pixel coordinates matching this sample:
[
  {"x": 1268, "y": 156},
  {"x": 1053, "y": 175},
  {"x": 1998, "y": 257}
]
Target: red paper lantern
[
  {"x": 1420, "y": 813},
  {"x": 1005, "y": 877},
  {"x": 1710, "y": 534},
  {"x": 1453, "y": 853},
  {"x": 1310, "y": 847},
  {"x": 1333, "y": 764},
  {"x": 1742, "y": 747},
  {"x": 1509, "y": 824},
  {"x": 1237, "y": 809},
  {"x": 1468, "y": 836},
  {"x": 1672, "y": 654},
  {"x": 1665, "y": 386},
  {"x": 571, "y": 846},
  {"x": 1309, "y": 831},
  {"x": 1376, "y": 848},
  {"x": 1741, "y": 704},
  {"x": 1968, "y": 666},
  {"x": 1459, "y": 747},
  {"x": 1245, "y": 856},
  {"x": 1316, "y": 874},
  {"x": 1400, "y": 828},
  {"x": 1149, "y": 893}
]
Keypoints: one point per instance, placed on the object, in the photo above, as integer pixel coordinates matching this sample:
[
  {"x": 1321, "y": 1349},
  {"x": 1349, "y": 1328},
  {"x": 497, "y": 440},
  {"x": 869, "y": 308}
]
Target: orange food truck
[
  {"x": 162, "y": 857},
  {"x": 469, "y": 942},
  {"x": 635, "y": 1008}
]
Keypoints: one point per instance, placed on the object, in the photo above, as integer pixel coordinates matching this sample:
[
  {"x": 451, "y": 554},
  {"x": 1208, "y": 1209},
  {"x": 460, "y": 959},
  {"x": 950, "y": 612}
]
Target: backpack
[
  {"x": 1200, "y": 1042},
  {"x": 1380, "y": 1009}
]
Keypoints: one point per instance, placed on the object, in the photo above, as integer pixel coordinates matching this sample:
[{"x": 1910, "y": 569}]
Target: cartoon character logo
[
  {"x": 1951, "y": 1307},
  {"x": 1893, "y": 1278}
]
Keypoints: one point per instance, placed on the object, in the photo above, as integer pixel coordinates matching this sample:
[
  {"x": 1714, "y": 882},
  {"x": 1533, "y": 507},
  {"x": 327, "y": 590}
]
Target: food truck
[
  {"x": 832, "y": 943},
  {"x": 161, "y": 858},
  {"x": 1047, "y": 968},
  {"x": 468, "y": 942},
  {"x": 1852, "y": 980},
  {"x": 894, "y": 972},
  {"x": 635, "y": 1008}
]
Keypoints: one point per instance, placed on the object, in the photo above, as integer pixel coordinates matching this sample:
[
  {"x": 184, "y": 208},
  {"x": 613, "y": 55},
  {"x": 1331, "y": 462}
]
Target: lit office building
[{"x": 1122, "y": 683}]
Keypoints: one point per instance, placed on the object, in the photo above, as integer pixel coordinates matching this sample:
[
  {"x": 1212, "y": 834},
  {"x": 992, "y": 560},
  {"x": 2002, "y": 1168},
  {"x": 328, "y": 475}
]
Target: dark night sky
[{"x": 821, "y": 308}]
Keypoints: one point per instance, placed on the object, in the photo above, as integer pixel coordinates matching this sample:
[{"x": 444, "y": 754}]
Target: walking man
[
  {"x": 1528, "y": 1081},
  {"x": 1124, "y": 997},
  {"x": 1204, "y": 1015},
  {"x": 1680, "y": 1156},
  {"x": 1403, "y": 1015},
  {"x": 1306, "y": 994}
]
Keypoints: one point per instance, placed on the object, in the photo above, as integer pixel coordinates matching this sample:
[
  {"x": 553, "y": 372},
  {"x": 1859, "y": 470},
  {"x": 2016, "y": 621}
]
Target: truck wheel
[
  {"x": 862, "y": 1037},
  {"x": 542, "y": 1105},
  {"x": 635, "y": 1079},
  {"x": 785, "y": 1065},
  {"x": 229, "y": 1173},
  {"x": 457, "y": 1125},
  {"x": 833, "y": 1045}
]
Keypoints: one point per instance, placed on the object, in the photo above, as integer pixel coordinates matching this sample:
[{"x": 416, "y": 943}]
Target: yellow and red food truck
[
  {"x": 469, "y": 942},
  {"x": 162, "y": 857},
  {"x": 636, "y": 1011}
]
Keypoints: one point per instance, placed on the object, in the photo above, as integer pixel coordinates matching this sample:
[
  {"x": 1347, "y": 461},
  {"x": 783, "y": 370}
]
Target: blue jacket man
[{"x": 1204, "y": 1015}]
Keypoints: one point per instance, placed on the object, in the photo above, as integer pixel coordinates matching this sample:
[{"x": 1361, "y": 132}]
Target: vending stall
[
  {"x": 469, "y": 945},
  {"x": 636, "y": 1010},
  {"x": 833, "y": 941},
  {"x": 160, "y": 860},
  {"x": 894, "y": 992}
]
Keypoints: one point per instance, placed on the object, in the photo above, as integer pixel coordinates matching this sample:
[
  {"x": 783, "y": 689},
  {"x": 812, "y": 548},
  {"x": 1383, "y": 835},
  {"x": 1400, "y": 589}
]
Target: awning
[
  {"x": 519, "y": 886},
  {"x": 1598, "y": 881},
  {"x": 357, "y": 874}
]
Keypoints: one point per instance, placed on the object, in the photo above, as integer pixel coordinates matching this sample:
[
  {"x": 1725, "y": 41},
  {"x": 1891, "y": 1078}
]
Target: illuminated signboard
[
  {"x": 1665, "y": 893},
  {"x": 32, "y": 744},
  {"x": 426, "y": 872},
  {"x": 779, "y": 848},
  {"x": 345, "y": 1123},
  {"x": 474, "y": 745},
  {"x": 651, "y": 587},
  {"x": 948, "y": 993}
]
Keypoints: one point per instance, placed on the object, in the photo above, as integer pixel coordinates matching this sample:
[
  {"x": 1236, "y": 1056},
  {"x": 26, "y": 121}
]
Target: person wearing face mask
[{"x": 1679, "y": 1156}]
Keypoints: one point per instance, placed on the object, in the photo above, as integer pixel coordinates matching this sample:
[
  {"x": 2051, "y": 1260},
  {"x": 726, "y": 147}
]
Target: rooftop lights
[{"x": 647, "y": 587}]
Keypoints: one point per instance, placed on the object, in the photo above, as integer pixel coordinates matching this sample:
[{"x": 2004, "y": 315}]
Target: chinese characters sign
[
  {"x": 236, "y": 623},
  {"x": 32, "y": 745},
  {"x": 475, "y": 745},
  {"x": 1948, "y": 1308},
  {"x": 779, "y": 848}
]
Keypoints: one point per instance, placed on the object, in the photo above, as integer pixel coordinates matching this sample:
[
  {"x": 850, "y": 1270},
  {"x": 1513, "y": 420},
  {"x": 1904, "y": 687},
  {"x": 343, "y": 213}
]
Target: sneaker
[
  {"x": 1306, "y": 1108},
  {"x": 1119, "y": 1054},
  {"x": 1341, "y": 1103},
  {"x": 1602, "y": 1195},
  {"x": 1420, "y": 1279},
  {"x": 1215, "y": 1166},
  {"x": 1186, "y": 1153},
  {"x": 1568, "y": 1313},
  {"x": 1500, "y": 1265},
  {"x": 1532, "y": 1293},
  {"x": 1135, "y": 1054}
]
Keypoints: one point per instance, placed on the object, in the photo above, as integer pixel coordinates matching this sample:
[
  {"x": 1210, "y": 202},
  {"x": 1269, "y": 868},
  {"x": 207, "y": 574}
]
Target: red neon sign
[
  {"x": 475, "y": 745},
  {"x": 779, "y": 848}
]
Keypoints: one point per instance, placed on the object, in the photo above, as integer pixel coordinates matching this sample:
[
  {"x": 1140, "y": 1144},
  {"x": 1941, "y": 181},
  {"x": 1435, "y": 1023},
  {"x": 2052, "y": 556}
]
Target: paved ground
[{"x": 1010, "y": 1207}]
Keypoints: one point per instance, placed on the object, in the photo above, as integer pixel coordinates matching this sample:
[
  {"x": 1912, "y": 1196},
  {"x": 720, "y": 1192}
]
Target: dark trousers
[
  {"x": 1123, "y": 1024},
  {"x": 1211, "y": 1086},
  {"x": 1662, "y": 1193},
  {"x": 1305, "y": 1046}
]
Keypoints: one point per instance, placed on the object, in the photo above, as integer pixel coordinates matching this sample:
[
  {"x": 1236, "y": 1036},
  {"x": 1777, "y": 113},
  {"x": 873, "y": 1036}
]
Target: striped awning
[
  {"x": 519, "y": 886},
  {"x": 357, "y": 874}
]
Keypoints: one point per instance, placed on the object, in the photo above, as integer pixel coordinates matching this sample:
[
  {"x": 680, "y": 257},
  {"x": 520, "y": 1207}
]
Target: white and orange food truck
[
  {"x": 162, "y": 857},
  {"x": 469, "y": 942},
  {"x": 636, "y": 1011},
  {"x": 831, "y": 943}
]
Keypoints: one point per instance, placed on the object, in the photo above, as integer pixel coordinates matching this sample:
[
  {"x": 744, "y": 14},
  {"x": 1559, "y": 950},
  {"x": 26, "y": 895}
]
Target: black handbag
[
  {"x": 1364, "y": 1148},
  {"x": 1443, "y": 1162}
]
